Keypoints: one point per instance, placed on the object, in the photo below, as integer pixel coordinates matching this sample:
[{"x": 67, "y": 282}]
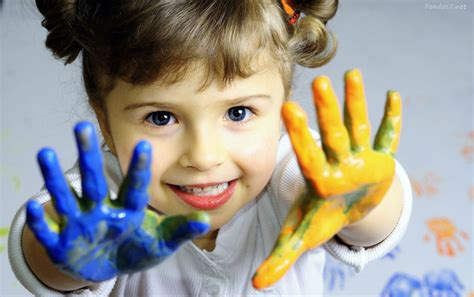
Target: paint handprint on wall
[
  {"x": 335, "y": 274},
  {"x": 447, "y": 236},
  {"x": 393, "y": 254},
  {"x": 427, "y": 186},
  {"x": 402, "y": 284},
  {"x": 444, "y": 282}
]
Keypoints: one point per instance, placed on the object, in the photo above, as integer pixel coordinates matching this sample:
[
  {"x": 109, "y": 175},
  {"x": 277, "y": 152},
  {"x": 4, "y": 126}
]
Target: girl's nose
[{"x": 204, "y": 151}]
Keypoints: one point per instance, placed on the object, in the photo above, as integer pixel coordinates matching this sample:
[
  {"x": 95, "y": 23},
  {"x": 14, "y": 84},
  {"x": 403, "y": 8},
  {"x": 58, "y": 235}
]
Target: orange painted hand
[{"x": 345, "y": 179}]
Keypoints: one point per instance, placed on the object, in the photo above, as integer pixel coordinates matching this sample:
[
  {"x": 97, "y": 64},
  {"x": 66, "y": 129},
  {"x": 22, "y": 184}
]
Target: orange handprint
[
  {"x": 345, "y": 178},
  {"x": 446, "y": 236},
  {"x": 427, "y": 186}
]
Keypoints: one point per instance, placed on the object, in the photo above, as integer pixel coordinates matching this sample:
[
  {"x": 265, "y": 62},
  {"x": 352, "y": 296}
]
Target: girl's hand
[
  {"x": 97, "y": 238},
  {"x": 345, "y": 179}
]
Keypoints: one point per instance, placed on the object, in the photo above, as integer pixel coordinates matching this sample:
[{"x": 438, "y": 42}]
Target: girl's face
[{"x": 224, "y": 136}]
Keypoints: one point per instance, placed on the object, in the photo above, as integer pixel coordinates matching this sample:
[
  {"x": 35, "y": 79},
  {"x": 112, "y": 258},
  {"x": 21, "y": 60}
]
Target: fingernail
[
  {"x": 143, "y": 150},
  {"x": 83, "y": 131},
  {"x": 355, "y": 72},
  {"x": 45, "y": 155}
]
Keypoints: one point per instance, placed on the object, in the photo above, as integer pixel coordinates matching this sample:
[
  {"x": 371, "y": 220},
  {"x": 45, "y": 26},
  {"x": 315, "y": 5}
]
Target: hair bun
[
  {"x": 312, "y": 44},
  {"x": 59, "y": 20},
  {"x": 323, "y": 10}
]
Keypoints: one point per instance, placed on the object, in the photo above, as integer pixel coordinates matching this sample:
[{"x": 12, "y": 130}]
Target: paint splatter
[
  {"x": 447, "y": 237},
  {"x": 15, "y": 179},
  {"x": 427, "y": 186},
  {"x": 467, "y": 150},
  {"x": 335, "y": 274},
  {"x": 471, "y": 194},
  {"x": 4, "y": 135},
  {"x": 16, "y": 183},
  {"x": 434, "y": 283},
  {"x": 407, "y": 101},
  {"x": 393, "y": 254},
  {"x": 3, "y": 233}
]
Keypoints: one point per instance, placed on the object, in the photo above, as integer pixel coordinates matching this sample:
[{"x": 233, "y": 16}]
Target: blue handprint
[
  {"x": 443, "y": 283},
  {"x": 335, "y": 272},
  {"x": 402, "y": 285},
  {"x": 97, "y": 238}
]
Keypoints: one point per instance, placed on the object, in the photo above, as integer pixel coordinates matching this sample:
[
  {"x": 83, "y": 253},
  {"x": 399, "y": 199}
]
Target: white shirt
[{"x": 241, "y": 245}]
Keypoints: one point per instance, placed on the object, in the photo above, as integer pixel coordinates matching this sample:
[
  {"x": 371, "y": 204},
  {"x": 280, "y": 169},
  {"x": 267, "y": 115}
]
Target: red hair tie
[{"x": 292, "y": 13}]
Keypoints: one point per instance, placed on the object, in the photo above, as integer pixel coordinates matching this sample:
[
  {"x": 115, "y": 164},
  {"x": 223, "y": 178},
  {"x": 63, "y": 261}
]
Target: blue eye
[
  {"x": 161, "y": 118},
  {"x": 239, "y": 113}
]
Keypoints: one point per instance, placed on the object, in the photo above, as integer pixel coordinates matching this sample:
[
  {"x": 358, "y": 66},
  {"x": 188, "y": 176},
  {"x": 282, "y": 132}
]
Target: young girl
[{"x": 189, "y": 193}]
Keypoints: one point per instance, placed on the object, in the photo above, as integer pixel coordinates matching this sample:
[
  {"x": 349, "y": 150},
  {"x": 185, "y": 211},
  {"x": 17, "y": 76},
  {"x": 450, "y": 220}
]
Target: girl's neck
[{"x": 207, "y": 242}]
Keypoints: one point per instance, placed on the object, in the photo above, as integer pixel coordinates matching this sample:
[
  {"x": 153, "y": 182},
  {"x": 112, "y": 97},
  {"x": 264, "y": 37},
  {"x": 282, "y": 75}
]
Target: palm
[
  {"x": 97, "y": 238},
  {"x": 346, "y": 178}
]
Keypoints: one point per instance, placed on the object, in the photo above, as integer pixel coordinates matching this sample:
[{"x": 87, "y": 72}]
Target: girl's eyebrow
[{"x": 170, "y": 105}]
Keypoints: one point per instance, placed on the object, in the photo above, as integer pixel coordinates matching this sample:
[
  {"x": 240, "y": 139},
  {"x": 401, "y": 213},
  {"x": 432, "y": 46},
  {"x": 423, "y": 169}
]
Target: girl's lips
[{"x": 205, "y": 202}]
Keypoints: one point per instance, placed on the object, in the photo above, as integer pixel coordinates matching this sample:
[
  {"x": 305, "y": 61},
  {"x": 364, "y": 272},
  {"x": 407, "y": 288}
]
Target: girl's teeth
[{"x": 207, "y": 191}]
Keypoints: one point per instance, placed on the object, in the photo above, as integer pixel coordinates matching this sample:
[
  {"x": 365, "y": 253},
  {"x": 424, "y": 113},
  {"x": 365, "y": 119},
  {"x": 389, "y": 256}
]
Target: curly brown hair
[{"x": 144, "y": 41}]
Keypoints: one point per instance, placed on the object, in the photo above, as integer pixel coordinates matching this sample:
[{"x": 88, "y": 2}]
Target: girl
[{"x": 195, "y": 179}]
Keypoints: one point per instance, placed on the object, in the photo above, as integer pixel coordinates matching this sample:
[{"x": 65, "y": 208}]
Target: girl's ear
[{"x": 102, "y": 119}]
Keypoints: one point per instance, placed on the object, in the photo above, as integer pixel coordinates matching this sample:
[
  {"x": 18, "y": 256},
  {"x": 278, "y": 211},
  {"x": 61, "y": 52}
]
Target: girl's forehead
[
  {"x": 267, "y": 82},
  {"x": 263, "y": 81}
]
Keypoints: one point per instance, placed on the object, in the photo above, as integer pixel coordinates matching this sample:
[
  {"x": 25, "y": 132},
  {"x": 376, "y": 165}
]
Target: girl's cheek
[{"x": 256, "y": 154}]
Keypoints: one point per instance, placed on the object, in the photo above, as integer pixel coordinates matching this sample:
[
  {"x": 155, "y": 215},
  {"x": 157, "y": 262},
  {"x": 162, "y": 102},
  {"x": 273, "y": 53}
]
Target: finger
[
  {"x": 335, "y": 139},
  {"x": 309, "y": 233},
  {"x": 64, "y": 201},
  {"x": 278, "y": 263},
  {"x": 292, "y": 221},
  {"x": 388, "y": 135},
  {"x": 35, "y": 218},
  {"x": 138, "y": 178},
  {"x": 94, "y": 184},
  {"x": 311, "y": 158},
  {"x": 177, "y": 229},
  {"x": 355, "y": 111},
  {"x": 285, "y": 252}
]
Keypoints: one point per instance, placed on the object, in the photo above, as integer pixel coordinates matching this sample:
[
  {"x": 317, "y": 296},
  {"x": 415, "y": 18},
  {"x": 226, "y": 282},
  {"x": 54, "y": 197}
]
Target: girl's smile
[{"x": 205, "y": 197}]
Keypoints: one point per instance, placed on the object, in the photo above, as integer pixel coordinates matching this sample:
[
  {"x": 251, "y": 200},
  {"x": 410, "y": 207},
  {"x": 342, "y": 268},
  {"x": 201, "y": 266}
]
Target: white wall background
[{"x": 423, "y": 49}]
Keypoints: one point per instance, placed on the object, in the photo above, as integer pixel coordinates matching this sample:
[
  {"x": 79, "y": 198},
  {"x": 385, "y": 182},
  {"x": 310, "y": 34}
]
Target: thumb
[{"x": 175, "y": 230}]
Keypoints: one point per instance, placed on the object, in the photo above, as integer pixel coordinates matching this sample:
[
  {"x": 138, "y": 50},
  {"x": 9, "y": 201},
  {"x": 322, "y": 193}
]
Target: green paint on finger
[
  {"x": 384, "y": 136},
  {"x": 351, "y": 198}
]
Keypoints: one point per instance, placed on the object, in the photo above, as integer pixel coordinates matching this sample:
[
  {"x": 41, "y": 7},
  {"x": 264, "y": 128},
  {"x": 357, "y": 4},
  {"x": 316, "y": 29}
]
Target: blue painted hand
[{"x": 97, "y": 238}]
